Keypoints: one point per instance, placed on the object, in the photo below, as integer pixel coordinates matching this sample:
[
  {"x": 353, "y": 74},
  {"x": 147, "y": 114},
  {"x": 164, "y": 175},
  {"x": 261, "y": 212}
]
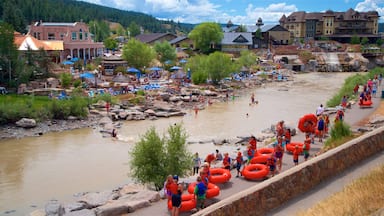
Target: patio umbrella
[
  {"x": 155, "y": 69},
  {"x": 75, "y": 59},
  {"x": 68, "y": 63},
  {"x": 168, "y": 62},
  {"x": 182, "y": 61},
  {"x": 176, "y": 68},
  {"x": 87, "y": 75},
  {"x": 133, "y": 70}
]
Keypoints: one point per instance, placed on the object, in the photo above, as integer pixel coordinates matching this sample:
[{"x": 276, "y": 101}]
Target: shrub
[
  {"x": 179, "y": 160},
  {"x": 154, "y": 158},
  {"x": 148, "y": 159},
  {"x": 199, "y": 77},
  {"x": 339, "y": 130}
]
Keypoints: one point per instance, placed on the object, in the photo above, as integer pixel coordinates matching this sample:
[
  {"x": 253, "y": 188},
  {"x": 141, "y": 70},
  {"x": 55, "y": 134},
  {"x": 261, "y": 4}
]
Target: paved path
[
  {"x": 352, "y": 117},
  {"x": 329, "y": 187}
]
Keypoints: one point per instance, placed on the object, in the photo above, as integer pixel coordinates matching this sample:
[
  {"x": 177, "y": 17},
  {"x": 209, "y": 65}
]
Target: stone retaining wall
[{"x": 273, "y": 192}]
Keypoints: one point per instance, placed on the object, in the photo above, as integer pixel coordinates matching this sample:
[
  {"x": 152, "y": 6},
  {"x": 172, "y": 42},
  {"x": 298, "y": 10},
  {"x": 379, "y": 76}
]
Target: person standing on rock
[
  {"x": 320, "y": 110},
  {"x": 196, "y": 163}
]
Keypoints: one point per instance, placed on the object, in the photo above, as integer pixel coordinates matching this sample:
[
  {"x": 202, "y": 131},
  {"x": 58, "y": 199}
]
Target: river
[{"x": 34, "y": 170}]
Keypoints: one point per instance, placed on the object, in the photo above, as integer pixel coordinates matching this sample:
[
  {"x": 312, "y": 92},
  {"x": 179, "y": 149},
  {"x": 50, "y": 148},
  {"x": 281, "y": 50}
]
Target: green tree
[
  {"x": 179, "y": 159},
  {"x": 219, "y": 66},
  {"x": 165, "y": 51},
  {"x": 206, "y": 34},
  {"x": 138, "y": 54},
  {"x": 148, "y": 159},
  {"x": 14, "y": 16},
  {"x": 355, "y": 39},
  {"x": 379, "y": 42},
  {"x": 8, "y": 52},
  {"x": 99, "y": 29},
  {"x": 247, "y": 58},
  {"x": 133, "y": 29},
  {"x": 197, "y": 65},
  {"x": 110, "y": 43},
  {"x": 65, "y": 79},
  {"x": 364, "y": 41}
]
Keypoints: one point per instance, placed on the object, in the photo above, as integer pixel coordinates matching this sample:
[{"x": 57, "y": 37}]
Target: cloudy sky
[{"x": 238, "y": 11}]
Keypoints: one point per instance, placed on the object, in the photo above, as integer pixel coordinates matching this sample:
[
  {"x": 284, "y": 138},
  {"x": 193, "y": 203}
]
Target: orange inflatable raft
[
  {"x": 188, "y": 202},
  {"x": 255, "y": 171},
  {"x": 266, "y": 151},
  {"x": 307, "y": 123},
  {"x": 219, "y": 175},
  {"x": 366, "y": 103},
  {"x": 212, "y": 190},
  {"x": 291, "y": 146},
  {"x": 259, "y": 159}
]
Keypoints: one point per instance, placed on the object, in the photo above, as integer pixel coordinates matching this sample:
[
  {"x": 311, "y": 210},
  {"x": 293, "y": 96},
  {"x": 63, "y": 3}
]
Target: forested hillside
[{"x": 20, "y": 13}]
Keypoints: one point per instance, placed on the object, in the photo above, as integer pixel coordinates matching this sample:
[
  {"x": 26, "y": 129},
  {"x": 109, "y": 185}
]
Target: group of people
[{"x": 174, "y": 190}]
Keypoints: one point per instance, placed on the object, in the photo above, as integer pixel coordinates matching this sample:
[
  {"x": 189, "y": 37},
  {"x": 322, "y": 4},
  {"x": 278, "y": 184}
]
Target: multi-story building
[
  {"x": 75, "y": 36},
  {"x": 339, "y": 26}
]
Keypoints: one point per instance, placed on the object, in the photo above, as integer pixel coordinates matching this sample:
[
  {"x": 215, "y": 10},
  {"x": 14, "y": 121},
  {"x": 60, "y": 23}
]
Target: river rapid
[{"x": 34, "y": 170}]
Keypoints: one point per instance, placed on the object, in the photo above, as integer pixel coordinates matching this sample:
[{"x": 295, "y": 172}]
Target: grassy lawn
[
  {"x": 29, "y": 100},
  {"x": 362, "y": 197}
]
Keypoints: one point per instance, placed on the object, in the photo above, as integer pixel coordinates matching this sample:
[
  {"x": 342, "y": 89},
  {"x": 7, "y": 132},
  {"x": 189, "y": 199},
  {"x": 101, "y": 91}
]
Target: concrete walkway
[
  {"x": 352, "y": 117},
  {"x": 329, "y": 187}
]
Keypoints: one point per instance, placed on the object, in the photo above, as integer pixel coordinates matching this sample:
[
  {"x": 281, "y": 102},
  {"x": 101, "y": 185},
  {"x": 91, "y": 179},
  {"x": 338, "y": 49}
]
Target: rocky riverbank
[{"x": 163, "y": 103}]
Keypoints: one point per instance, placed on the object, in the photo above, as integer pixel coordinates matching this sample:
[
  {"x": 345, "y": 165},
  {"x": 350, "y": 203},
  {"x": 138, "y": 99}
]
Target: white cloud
[
  {"x": 372, "y": 5},
  {"x": 270, "y": 14},
  {"x": 196, "y": 11}
]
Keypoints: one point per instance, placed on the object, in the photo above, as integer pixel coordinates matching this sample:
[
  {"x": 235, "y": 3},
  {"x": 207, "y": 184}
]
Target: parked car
[{"x": 3, "y": 90}]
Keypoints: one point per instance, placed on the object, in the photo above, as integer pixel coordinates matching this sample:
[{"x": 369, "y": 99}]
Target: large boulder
[
  {"x": 137, "y": 204},
  {"x": 83, "y": 212},
  {"x": 54, "y": 208},
  {"x": 26, "y": 123},
  {"x": 92, "y": 200},
  {"x": 112, "y": 208},
  {"x": 131, "y": 189},
  {"x": 151, "y": 196},
  {"x": 74, "y": 207}
]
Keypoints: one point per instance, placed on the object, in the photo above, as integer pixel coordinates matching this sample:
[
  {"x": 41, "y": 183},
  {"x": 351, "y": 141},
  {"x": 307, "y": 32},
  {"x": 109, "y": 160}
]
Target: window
[
  {"x": 74, "y": 36},
  {"x": 81, "y": 34},
  {"x": 85, "y": 35},
  {"x": 62, "y": 34},
  {"x": 51, "y": 36}
]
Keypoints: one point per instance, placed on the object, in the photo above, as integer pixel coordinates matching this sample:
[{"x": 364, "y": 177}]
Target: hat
[{"x": 176, "y": 177}]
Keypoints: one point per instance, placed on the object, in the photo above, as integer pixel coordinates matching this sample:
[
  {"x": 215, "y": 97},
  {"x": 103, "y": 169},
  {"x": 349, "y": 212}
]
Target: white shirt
[{"x": 319, "y": 110}]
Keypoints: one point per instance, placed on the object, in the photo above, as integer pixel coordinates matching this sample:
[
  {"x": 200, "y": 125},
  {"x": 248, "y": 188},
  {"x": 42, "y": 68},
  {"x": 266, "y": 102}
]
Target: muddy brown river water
[{"x": 34, "y": 170}]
